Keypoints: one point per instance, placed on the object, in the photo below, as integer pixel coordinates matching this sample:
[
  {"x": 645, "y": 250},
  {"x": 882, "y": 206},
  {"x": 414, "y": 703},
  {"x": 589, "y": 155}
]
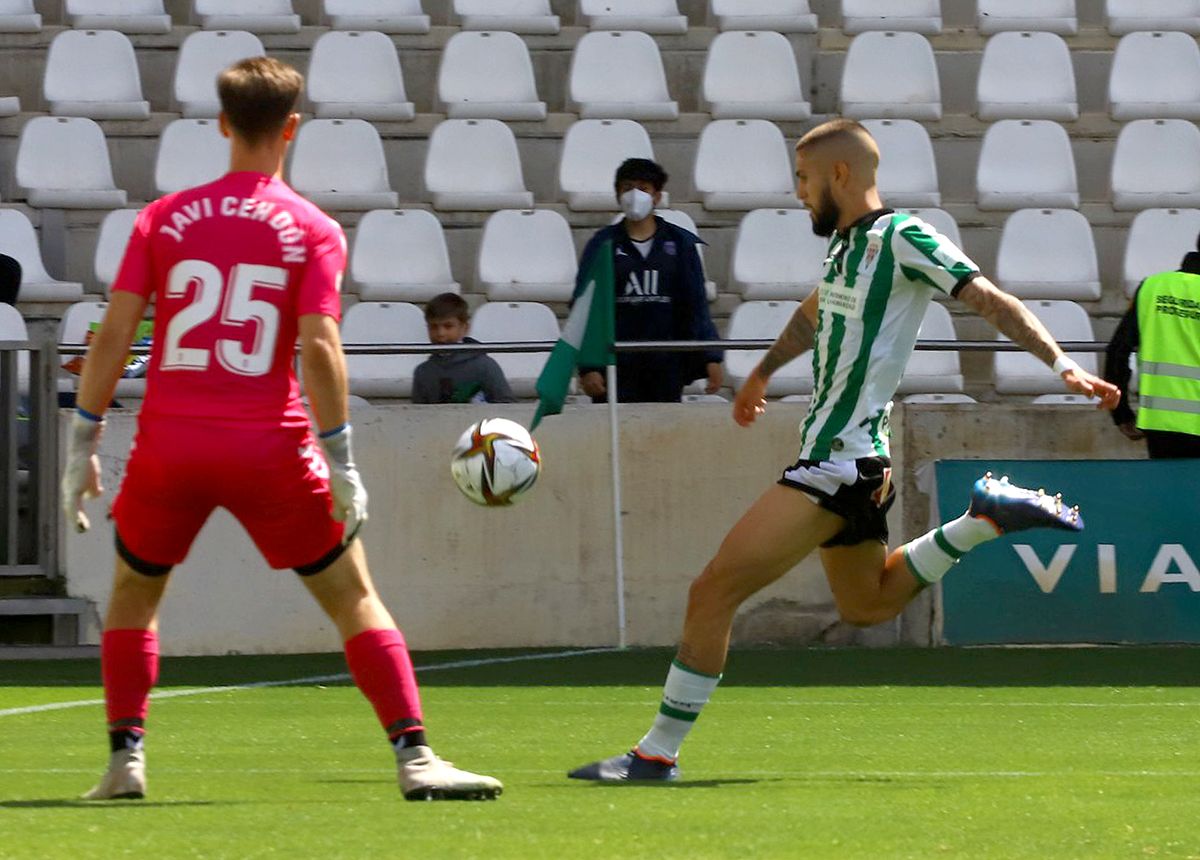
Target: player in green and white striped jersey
[{"x": 861, "y": 324}]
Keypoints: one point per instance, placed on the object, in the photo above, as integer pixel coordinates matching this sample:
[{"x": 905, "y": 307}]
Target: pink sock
[
  {"x": 129, "y": 667},
  {"x": 382, "y": 669}
]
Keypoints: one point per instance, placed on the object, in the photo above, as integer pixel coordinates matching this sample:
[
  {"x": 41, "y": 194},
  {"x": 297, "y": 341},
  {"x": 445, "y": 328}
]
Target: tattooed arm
[{"x": 797, "y": 337}]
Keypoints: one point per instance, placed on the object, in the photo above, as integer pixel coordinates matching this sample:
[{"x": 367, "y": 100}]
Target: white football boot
[
  {"x": 424, "y": 776},
  {"x": 125, "y": 778}
]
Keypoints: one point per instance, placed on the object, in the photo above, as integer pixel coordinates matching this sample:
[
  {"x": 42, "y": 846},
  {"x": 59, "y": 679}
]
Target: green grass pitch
[{"x": 978, "y": 753}]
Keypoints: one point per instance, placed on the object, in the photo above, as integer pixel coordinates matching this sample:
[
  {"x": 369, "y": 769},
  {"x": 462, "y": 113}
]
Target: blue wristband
[
  {"x": 83, "y": 413},
  {"x": 333, "y": 432}
]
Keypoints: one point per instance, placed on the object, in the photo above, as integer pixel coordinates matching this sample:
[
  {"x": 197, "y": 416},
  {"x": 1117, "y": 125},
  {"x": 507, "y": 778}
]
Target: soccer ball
[{"x": 495, "y": 462}]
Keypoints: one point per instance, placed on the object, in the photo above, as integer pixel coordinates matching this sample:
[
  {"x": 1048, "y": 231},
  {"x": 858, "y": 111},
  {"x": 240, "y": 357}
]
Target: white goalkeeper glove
[
  {"x": 349, "y": 494},
  {"x": 81, "y": 475}
]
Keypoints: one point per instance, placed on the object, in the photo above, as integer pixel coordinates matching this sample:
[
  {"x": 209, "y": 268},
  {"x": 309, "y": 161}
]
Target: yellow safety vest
[{"x": 1168, "y": 312}]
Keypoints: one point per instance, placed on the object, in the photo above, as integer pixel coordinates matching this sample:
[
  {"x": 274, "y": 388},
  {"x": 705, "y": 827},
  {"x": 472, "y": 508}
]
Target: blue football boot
[
  {"x": 628, "y": 767},
  {"x": 1012, "y": 509}
]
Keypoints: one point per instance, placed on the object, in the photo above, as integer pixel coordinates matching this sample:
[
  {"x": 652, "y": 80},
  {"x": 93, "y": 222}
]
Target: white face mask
[{"x": 636, "y": 204}]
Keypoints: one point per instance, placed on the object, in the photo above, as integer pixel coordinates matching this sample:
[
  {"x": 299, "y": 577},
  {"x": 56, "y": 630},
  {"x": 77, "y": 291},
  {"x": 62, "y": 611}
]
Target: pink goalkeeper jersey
[{"x": 232, "y": 266}]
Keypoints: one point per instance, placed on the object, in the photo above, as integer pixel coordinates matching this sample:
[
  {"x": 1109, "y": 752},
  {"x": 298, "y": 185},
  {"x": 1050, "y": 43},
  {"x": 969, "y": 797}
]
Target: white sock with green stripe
[
  {"x": 684, "y": 695},
  {"x": 931, "y": 555}
]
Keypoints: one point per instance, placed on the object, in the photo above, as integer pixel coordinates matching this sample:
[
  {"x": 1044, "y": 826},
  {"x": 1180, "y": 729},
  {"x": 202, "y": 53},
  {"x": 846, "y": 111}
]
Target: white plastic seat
[
  {"x": 354, "y": 74},
  {"x": 1156, "y": 242},
  {"x": 488, "y": 74},
  {"x": 779, "y": 16},
  {"x": 93, "y": 73},
  {"x": 776, "y": 255},
  {"x": 1027, "y": 76},
  {"x": 592, "y": 150},
  {"x": 744, "y": 164},
  {"x": 383, "y": 322},
  {"x": 703, "y": 398},
  {"x": 907, "y": 174},
  {"x": 191, "y": 152},
  {"x": 1048, "y": 254},
  {"x": 764, "y": 321},
  {"x": 1063, "y": 400},
  {"x": 203, "y": 56},
  {"x": 1022, "y": 373},
  {"x": 514, "y": 16},
  {"x": 386, "y": 236},
  {"x": 752, "y": 74},
  {"x": 18, "y": 16},
  {"x": 1155, "y": 76},
  {"x": 1156, "y": 163},
  {"x": 933, "y": 371},
  {"x": 619, "y": 75},
  {"x": 385, "y": 16},
  {"x": 891, "y": 75},
  {"x": 256, "y": 16},
  {"x": 527, "y": 255},
  {"x": 1130, "y": 16},
  {"x": 73, "y": 329},
  {"x": 10, "y": 105},
  {"x": 12, "y": 324},
  {"x": 648, "y": 16},
  {"x": 127, "y": 16},
  {"x": 1026, "y": 163},
  {"x": 19, "y": 241},
  {"x": 115, "y": 230},
  {"x": 63, "y": 163},
  {"x": 473, "y": 164},
  {"x": 941, "y": 221},
  {"x": 914, "y": 16},
  {"x": 939, "y": 398},
  {"x": 1042, "y": 16},
  {"x": 501, "y": 322},
  {"x": 339, "y": 164}
]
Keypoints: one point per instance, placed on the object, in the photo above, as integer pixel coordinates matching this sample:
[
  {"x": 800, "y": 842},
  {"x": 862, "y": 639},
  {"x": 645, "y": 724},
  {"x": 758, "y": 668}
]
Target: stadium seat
[
  {"x": 752, "y": 74},
  {"x": 891, "y": 75},
  {"x": 619, "y": 75},
  {"x": 744, "y": 164},
  {"x": 939, "y": 398},
  {"x": 505, "y": 322},
  {"x": 12, "y": 324},
  {"x": 1022, "y": 373},
  {"x": 1048, "y": 254},
  {"x": 385, "y": 16},
  {"x": 1027, "y": 76},
  {"x": 1063, "y": 400},
  {"x": 533, "y": 17},
  {"x": 73, "y": 330},
  {"x": 648, "y": 16},
  {"x": 339, "y": 164},
  {"x": 776, "y": 255},
  {"x": 190, "y": 152},
  {"x": 1130, "y": 16},
  {"x": 527, "y": 255},
  {"x": 9, "y": 105},
  {"x": 383, "y": 322},
  {"x": 1026, "y": 163},
  {"x": 256, "y": 16},
  {"x": 127, "y": 16},
  {"x": 93, "y": 73},
  {"x": 385, "y": 236},
  {"x": 488, "y": 75},
  {"x": 703, "y": 398},
  {"x": 933, "y": 371},
  {"x": 1156, "y": 163},
  {"x": 1156, "y": 242},
  {"x": 907, "y": 172},
  {"x": 1042, "y": 16},
  {"x": 19, "y": 241},
  {"x": 941, "y": 221},
  {"x": 1155, "y": 76},
  {"x": 63, "y": 163},
  {"x": 202, "y": 56},
  {"x": 779, "y": 16},
  {"x": 914, "y": 16},
  {"x": 592, "y": 149},
  {"x": 18, "y": 16},
  {"x": 764, "y": 321},
  {"x": 356, "y": 75},
  {"x": 115, "y": 230},
  {"x": 473, "y": 164}
]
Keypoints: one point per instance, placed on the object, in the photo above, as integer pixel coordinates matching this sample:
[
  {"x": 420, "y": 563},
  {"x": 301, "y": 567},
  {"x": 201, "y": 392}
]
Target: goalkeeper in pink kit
[{"x": 240, "y": 270}]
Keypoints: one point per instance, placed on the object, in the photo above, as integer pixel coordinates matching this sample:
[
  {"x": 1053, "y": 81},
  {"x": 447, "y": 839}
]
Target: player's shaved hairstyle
[
  {"x": 258, "y": 95},
  {"x": 844, "y": 140}
]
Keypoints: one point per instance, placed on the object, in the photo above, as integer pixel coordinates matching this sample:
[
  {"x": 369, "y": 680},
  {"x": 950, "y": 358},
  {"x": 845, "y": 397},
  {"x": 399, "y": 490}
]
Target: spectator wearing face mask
[{"x": 659, "y": 295}]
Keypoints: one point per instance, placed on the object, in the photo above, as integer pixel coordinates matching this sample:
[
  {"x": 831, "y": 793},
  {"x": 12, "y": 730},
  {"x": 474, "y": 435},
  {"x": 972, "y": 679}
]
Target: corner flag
[{"x": 587, "y": 337}]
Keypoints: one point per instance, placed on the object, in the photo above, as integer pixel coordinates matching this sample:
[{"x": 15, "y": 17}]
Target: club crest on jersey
[
  {"x": 669, "y": 248},
  {"x": 871, "y": 254}
]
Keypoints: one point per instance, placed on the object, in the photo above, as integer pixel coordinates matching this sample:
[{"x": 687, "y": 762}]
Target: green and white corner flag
[{"x": 587, "y": 337}]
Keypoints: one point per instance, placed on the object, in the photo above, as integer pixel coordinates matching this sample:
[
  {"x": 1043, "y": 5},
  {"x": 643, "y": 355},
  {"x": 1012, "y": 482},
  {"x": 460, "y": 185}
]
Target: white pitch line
[{"x": 312, "y": 679}]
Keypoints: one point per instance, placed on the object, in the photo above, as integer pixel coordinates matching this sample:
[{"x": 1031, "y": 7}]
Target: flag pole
[{"x": 618, "y": 538}]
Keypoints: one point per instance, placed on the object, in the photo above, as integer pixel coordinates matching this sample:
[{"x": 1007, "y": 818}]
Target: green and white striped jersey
[{"x": 879, "y": 277}]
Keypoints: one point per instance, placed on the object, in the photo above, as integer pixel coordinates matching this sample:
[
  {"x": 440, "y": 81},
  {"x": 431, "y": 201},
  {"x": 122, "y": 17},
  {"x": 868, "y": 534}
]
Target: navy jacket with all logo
[{"x": 658, "y": 297}]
